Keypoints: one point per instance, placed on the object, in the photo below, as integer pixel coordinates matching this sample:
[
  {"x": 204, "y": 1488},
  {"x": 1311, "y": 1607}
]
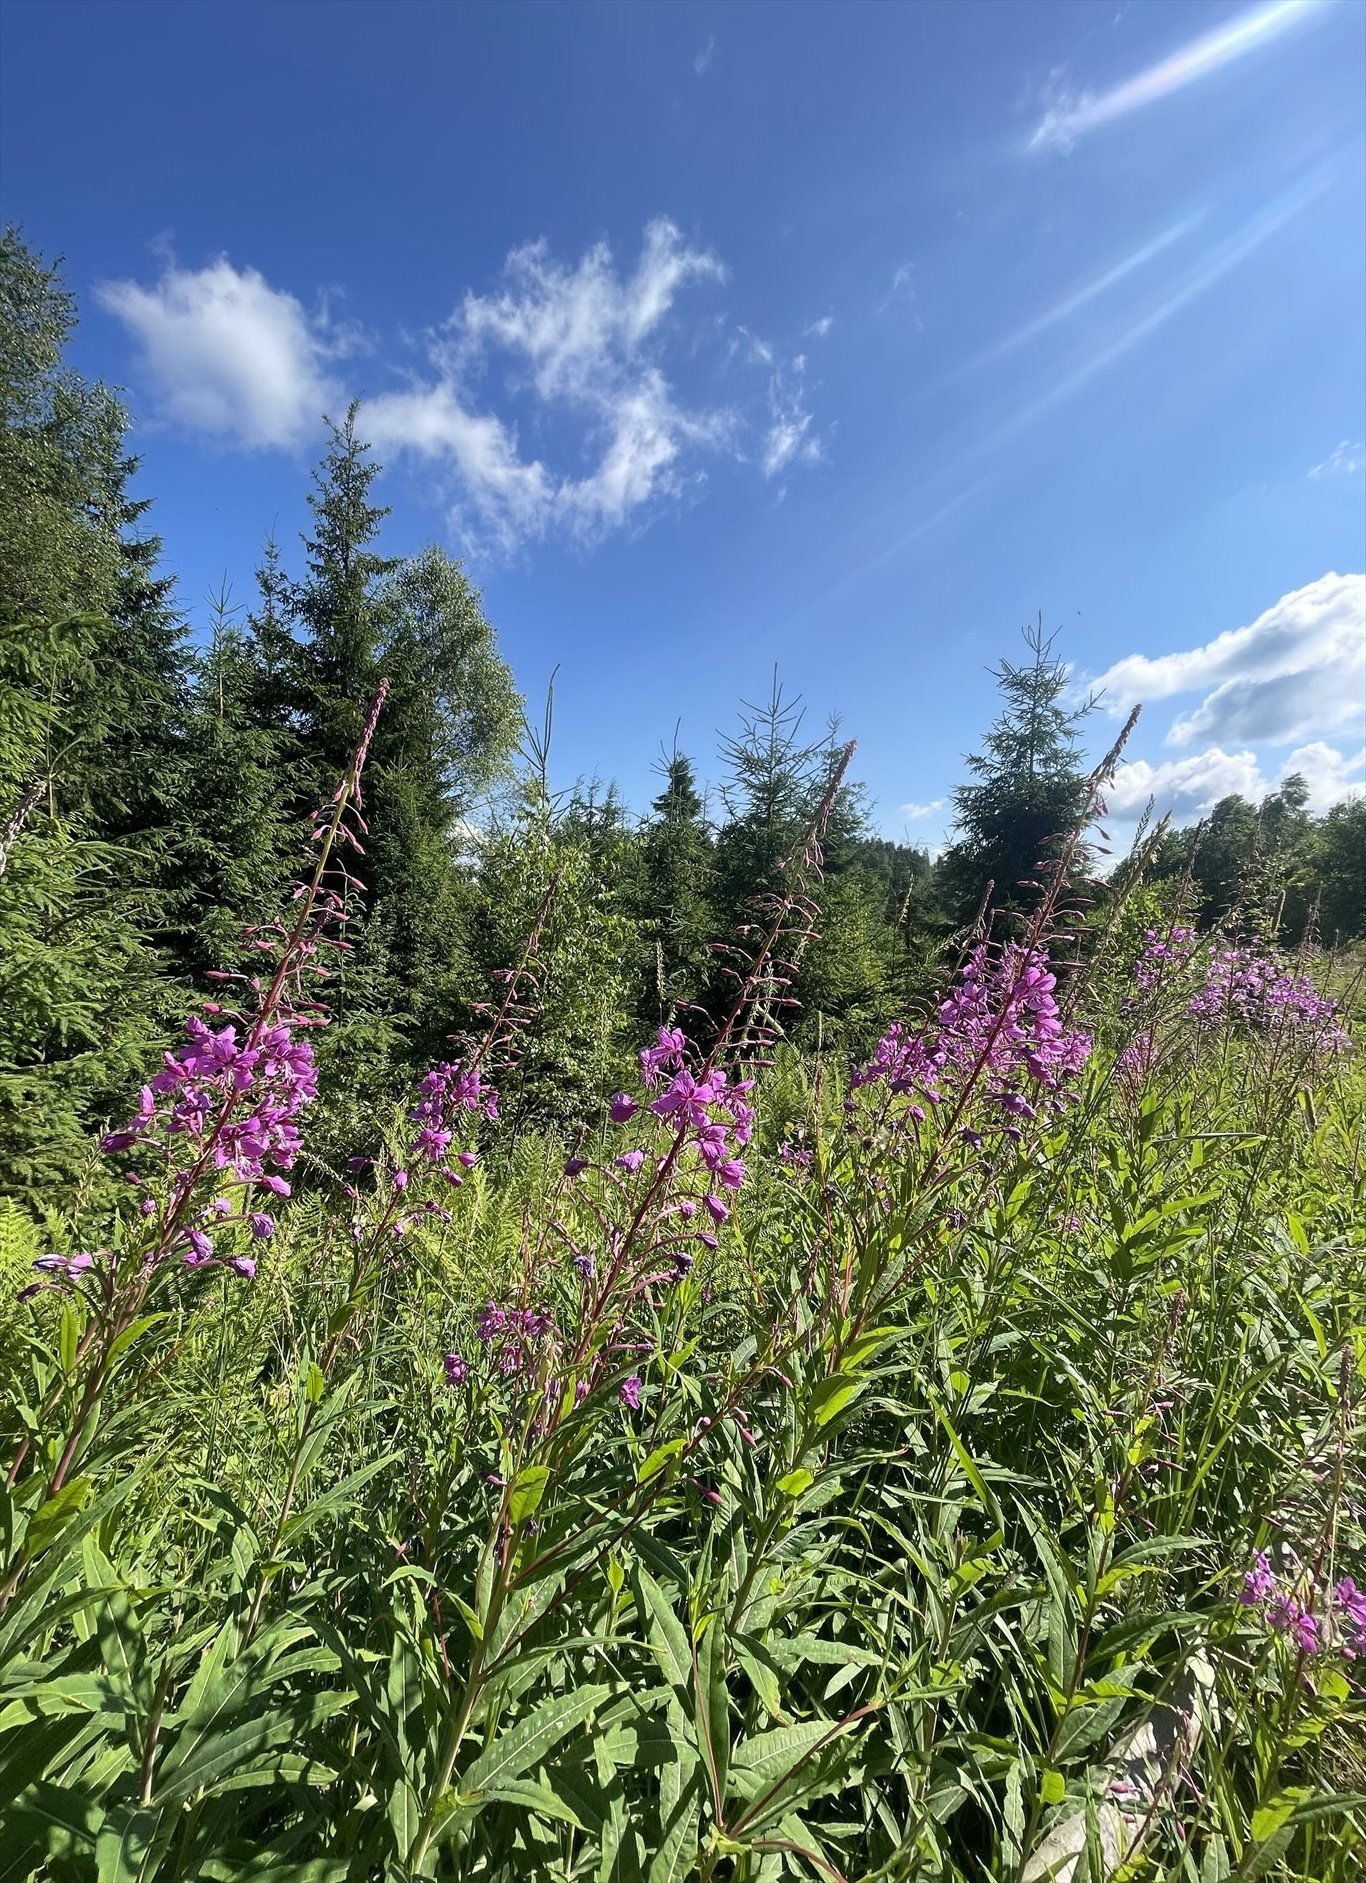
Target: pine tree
[{"x": 1030, "y": 788}]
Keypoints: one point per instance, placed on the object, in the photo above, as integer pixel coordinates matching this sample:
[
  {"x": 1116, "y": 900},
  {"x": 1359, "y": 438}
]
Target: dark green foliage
[
  {"x": 78, "y": 995},
  {"x": 1029, "y": 789}
]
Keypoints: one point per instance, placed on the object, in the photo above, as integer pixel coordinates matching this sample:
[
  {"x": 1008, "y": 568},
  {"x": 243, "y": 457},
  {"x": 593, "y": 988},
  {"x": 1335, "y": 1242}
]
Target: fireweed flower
[
  {"x": 1250, "y": 988},
  {"x": 631, "y": 1161},
  {"x": 622, "y": 1108},
  {"x": 1000, "y": 1024},
  {"x": 457, "y": 1369},
  {"x": 629, "y": 1392},
  {"x": 1258, "y": 1583}
]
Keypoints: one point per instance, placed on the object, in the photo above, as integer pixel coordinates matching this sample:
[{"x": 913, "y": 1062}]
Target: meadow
[{"x": 941, "y": 1465}]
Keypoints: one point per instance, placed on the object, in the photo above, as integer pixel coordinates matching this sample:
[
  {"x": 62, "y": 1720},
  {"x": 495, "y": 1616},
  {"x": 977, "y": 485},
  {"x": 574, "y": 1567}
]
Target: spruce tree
[
  {"x": 677, "y": 911},
  {"x": 1029, "y": 788}
]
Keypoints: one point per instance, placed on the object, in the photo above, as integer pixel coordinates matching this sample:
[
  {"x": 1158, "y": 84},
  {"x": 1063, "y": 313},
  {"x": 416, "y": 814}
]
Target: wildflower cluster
[
  {"x": 708, "y": 1114},
  {"x": 1319, "y": 1621},
  {"x": 512, "y": 1336},
  {"x": 1000, "y": 1025},
  {"x": 1164, "y": 952},
  {"x": 228, "y": 1109},
  {"x": 444, "y": 1093},
  {"x": 1251, "y": 987}
]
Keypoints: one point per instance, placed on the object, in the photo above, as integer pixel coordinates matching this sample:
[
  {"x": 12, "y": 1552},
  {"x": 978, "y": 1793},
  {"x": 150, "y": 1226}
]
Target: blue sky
[{"x": 846, "y": 337}]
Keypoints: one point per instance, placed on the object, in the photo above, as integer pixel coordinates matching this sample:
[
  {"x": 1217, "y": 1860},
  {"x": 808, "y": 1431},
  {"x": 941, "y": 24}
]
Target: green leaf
[
  {"x": 832, "y": 1395},
  {"x": 796, "y": 1482},
  {"x": 51, "y": 1518},
  {"x": 668, "y": 1636},
  {"x": 1052, "y": 1787},
  {"x": 659, "y": 1460},
  {"x": 515, "y": 1752},
  {"x": 528, "y": 1488}
]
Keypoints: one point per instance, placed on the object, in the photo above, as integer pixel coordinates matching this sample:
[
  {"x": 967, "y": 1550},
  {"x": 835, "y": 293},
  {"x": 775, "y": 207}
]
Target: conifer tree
[
  {"x": 677, "y": 908},
  {"x": 1029, "y": 787}
]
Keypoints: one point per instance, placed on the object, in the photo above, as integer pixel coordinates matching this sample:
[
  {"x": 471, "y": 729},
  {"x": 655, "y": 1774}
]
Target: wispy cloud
[
  {"x": 902, "y": 287},
  {"x": 229, "y": 355},
  {"x": 789, "y": 439},
  {"x": 1068, "y": 115},
  {"x": 917, "y": 811},
  {"x": 701, "y": 65},
  {"x": 1344, "y": 460},
  {"x": 818, "y": 329},
  {"x": 587, "y": 339},
  {"x": 1299, "y": 668}
]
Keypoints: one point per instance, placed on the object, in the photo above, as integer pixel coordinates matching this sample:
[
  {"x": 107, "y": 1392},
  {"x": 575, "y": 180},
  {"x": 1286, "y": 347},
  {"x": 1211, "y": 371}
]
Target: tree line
[{"x": 153, "y": 788}]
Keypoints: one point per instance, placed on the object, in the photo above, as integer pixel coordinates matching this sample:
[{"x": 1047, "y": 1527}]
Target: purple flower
[
  {"x": 731, "y": 1173},
  {"x": 716, "y": 1209},
  {"x": 468, "y": 1158},
  {"x": 631, "y": 1161},
  {"x": 629, "y": 1391},
  {"x": 400, "y": 1180},
  {"x": 1258, "y": 1582},
  {"x": 622, "y": 1108},
  {"x": 574, "y": 1165},
  {"x": 262, "y": 1226},
  {"x": 1288, "y": 1616},
  {"x": 278, "y": 1186},
  {"x": 457, "y": 1370},
  {"x": 244, "y": 1266},
  {"x": 200, "y": 1249}
]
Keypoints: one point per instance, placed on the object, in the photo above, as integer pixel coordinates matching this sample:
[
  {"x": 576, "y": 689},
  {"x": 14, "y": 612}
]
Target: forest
[{"x": 549, "y": 1338}]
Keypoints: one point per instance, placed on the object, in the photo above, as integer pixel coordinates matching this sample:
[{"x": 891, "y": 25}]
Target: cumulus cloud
[
  {"x": 1344, "y": 460},
  {"x": 230, "y": 355},
  {"x": 1298, "y": 668},
  {"x": 1068, "y": 114},
  {"x": 1189, "y": 787},
  {"x": 914, "y": 811}
]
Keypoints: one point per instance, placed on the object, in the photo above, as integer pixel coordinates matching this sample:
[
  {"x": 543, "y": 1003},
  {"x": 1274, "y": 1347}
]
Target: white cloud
[
  {"x": 229, "y": 354},
  {"x": 1344, "y": 460},
  {"x": 1189, "y": 787},
  {"x": 1068, "y": 115},
  {"x": 789, "y": 438},
  {"x": 513, "y": 499},
  {"x": 914, "y": 811},
  {"x": 701, "y": 65},
  {"x": 902, "y": 287},
  {"x": 818, "y": 329},
  {"x": 548, "y": 403},
  {"x": 580, "y": 339},
  {"x": 1298, "y": 668}
]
